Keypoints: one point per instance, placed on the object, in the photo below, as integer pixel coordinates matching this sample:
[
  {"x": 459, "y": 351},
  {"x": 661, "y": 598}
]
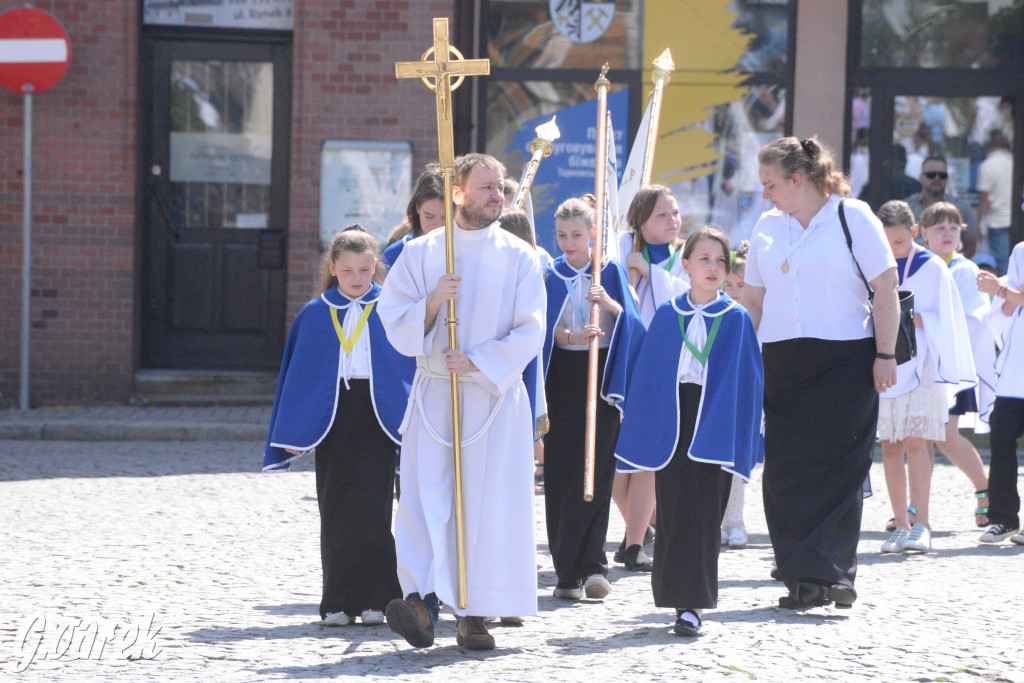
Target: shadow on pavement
[
  {"x": 404, "y": 662},
  {"x": 290, "y": 609}
]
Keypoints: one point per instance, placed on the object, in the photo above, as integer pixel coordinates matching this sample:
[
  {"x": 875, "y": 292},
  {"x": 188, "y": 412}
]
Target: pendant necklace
[{"x": 794, "y": 245}]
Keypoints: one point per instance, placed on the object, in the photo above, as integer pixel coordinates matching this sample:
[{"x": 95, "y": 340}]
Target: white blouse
[
  {"x": 812, "y": 288},
  {"x": 354, "y": 365},
  {"x": 691, "y": 370},
  {"x": 576, "y": 312}
]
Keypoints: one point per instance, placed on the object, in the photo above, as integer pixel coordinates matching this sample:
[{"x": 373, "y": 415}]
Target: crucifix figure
[{"x": 442, "y": 69}]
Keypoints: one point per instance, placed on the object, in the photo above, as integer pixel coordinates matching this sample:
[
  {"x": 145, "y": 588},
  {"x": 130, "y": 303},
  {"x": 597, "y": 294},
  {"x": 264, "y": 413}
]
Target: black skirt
[
  {"x": 576, "y": 529},
  {"x": 966, "y": 402},
  {"x": 821, "y": 415},
  {"x": 355, "y": 466},
  {"x": 691, "y": 499}
]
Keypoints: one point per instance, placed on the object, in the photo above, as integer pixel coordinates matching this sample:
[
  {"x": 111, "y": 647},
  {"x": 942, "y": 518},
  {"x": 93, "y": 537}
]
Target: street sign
[{"x": 34, "y": 51}]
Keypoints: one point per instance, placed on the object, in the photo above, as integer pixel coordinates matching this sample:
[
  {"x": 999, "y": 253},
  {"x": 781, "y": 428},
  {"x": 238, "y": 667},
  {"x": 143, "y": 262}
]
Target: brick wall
[
  {"x": 83, "y": 256},
  {"x": 345, "y": 88},
  {"x": 85, "y": 327}
]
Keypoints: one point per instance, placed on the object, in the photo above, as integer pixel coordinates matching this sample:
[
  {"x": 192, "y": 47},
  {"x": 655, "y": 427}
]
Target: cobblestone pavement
[{"x": 217, "y": 565}]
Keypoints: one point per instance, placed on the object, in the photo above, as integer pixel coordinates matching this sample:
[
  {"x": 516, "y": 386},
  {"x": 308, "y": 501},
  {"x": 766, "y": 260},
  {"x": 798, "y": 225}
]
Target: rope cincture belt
[{"x": 419, "y": 386}]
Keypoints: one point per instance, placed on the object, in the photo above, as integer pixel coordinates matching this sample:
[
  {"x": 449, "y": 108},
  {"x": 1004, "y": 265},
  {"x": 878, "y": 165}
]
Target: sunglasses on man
[{"x": 932, "y": 175}]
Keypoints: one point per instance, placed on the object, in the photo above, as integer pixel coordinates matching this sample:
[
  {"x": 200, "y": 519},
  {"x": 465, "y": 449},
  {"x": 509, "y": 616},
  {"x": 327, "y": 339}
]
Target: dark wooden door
[{"x": 216, "y": 204}]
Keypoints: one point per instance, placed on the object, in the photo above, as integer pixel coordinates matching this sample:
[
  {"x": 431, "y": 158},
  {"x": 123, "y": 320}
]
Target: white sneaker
[
  {"x": 337, "y": 619},
  {"x": 738, "y": 537},
  {"x": 596, "y": 587},
  {"x": 371, "y": 617},
  {"x": 574, "y": 592},
  {"x": 896, "y": 541},
  {"x": 920, "y": 539},
  {"x": 1018, "y": 539}
]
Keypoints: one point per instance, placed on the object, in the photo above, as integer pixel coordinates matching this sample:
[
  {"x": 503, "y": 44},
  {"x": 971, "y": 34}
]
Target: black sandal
[
  {"x": 890, "y": 526},
  {"x": 981, "y": 511}
]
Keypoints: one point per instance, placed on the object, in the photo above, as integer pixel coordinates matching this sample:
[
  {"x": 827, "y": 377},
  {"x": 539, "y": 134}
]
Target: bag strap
[{"x": 849, "y": 245}]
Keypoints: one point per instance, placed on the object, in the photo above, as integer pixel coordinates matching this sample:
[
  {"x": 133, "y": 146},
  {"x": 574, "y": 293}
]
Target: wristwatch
[{"x": 885, "y": 356}]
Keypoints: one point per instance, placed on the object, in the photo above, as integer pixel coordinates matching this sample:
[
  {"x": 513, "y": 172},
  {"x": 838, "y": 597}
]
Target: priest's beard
[{"x": 477, "y": 215}]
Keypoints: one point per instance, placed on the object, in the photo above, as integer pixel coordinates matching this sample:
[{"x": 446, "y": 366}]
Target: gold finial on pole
[
  {"x": 662, "y": 74},
  {"x": 441, "y": 70},
  {"x": 540, "y": 148},
  {"x": 597, "y": 255}
]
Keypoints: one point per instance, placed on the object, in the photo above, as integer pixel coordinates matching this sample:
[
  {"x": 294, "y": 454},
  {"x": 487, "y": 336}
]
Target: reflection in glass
[
  {"x": 860, "y": 131},
  {"x": 510, "y": 104},
  {"x": 523, "y": 33},
  {"x": 729, "y": 195},
  {"x": 941, "y": 33},
  {"x": 769, "y": 23},
  {"x": 956, "y": 128},
  {"x": 221, "y": 117}
]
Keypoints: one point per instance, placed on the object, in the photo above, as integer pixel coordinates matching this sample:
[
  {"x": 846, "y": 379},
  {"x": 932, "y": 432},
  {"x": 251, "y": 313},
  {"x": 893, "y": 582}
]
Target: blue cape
[
  {"x": 629, "y": 326},
  {"x": 728, "y": 429},
  {"x": 307, "y": 388},
  {"x": 392, "y": 253},
  {"x": 921, "y": 257}
]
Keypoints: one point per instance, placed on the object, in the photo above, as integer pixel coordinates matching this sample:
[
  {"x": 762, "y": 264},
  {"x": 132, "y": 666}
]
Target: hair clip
[
  {"x": 355, "y": 226},
  {"x": 809, "y": 149}
]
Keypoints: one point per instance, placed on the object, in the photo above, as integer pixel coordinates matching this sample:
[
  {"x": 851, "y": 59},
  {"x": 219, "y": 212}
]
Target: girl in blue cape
[
  {"x": 576, "y": 529},
  {"x": 343, "y": 391},
  {"x": 693, "y": 415},
  {"x": 423, "y": 213}
]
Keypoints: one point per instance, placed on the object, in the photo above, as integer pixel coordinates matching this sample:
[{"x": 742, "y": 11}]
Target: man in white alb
[{"x": 500, "y": 304}]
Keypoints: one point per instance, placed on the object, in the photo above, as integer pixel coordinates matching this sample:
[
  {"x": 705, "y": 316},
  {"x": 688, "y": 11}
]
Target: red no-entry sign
[{"x": 34, "y": 51}]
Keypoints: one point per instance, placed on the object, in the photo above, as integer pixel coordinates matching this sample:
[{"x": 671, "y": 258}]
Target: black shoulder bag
[{"x": 906, "y": 339}]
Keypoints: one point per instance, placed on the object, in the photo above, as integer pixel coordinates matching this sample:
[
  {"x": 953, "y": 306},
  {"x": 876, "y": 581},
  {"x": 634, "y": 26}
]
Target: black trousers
[
  {"x": 577, "y": 530},
  {"x": 1007, "y": 424},
  {"x": 821, "y": 415},
  {"x": 355, "y": 466},
  {"x": 691, "y": 498}
]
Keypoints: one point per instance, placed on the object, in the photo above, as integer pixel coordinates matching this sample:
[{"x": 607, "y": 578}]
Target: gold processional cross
[{"x": 442, "y": 69}]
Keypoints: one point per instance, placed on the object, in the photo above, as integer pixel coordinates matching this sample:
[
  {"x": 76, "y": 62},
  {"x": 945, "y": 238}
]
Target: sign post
[{"x": 34, "y": 55}]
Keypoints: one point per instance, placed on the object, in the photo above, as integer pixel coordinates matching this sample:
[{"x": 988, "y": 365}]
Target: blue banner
[{"x": 569, "y": 171}]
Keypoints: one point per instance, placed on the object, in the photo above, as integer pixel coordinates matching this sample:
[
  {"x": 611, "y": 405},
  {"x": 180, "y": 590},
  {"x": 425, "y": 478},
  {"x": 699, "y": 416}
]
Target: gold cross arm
[
  {"x": 442, "y": 66},
  {"x": 442, "y": 69}
]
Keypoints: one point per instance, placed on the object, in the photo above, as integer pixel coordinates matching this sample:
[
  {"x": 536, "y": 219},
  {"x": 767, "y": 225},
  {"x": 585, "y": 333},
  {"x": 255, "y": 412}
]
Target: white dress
[
  {"x": 501, "y": 316},
  {"x": 918, "y": 405}
]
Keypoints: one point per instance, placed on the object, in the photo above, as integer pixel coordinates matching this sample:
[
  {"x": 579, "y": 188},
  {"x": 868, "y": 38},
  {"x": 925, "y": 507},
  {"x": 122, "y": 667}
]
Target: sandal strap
[{"x": 981, "y": 511}]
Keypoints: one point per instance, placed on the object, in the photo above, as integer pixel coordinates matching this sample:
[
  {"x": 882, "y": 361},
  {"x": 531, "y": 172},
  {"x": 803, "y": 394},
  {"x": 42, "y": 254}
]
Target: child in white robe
[
  {"x": 1007, "y": 419},
  {"x": 941, "y": 228},
  {"x": 734, "y": 531},
  {"x": 913, "y": 412}
]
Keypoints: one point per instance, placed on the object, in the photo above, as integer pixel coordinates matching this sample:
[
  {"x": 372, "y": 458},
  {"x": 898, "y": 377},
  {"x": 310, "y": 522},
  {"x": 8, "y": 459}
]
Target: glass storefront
[
  {"x": 941, "y": 34},
  {"x": 726, "y": 99},
  {"x": 564, "y": 34}
]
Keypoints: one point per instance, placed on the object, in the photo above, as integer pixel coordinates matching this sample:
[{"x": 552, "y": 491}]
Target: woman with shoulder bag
[{"x": 825, "y": 364}]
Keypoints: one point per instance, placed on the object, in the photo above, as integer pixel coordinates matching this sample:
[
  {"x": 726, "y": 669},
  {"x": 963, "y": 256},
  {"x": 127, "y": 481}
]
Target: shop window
[
  {"x": 564, "y": 34},
  {"x": 941, "y": 34}
]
